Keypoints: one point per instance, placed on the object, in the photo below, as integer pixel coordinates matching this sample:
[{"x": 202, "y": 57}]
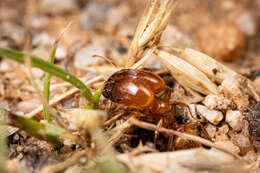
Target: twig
[
  {"x": 203, "y": 141},
  {"x": 119, "y": 131},
  {"x": 113, "y": 119},
  {"x": 68, "y": 162}
]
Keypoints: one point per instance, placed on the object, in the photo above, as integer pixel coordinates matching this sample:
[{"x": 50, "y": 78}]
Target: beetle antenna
[{"x": 107, "y": 60}]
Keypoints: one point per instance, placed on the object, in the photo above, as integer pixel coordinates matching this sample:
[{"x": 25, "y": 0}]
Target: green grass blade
[
  {"x": 2, "y": 144},
  {"x": 50, "y": 68},
  {"x": 47, "y": 132},
  {"x": 95, "y": 98},
  {"x": 46, "y": 87}
]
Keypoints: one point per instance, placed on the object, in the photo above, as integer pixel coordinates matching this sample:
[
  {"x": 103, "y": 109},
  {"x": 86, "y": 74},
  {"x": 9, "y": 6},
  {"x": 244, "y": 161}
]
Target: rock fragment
[
  {"x": 212, "y": 116},
  {"x": 242, "y": 142},
  {"x": 217, "y": 102},
  {"x": 236, "y": 90},
  {"x": 84, "y": 56},
  {"x": 235, "y": 119}
]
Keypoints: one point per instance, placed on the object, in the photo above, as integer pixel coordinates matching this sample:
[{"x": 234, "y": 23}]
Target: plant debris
[{"x": 199, "y": 60}]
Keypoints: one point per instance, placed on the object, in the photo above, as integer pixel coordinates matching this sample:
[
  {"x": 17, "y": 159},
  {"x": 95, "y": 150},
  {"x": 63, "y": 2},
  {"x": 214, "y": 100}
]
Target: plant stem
[
  {"x": 47, "y": 67},
  {"x": 2, "y": 144},
  {"x": 95, "y": 98},
  {"x": 47, "y": 82},
  {"x": 47, "y": 132}
]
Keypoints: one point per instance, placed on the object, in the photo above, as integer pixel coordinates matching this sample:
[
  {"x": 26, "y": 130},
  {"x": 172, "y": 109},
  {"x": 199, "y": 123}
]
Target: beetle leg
[
  {"x": 204, "y": 132},
  {"x": 187, "y": 106},
  {"x": 167, "y": 94},
  {"x": 195, "y": 125},
  {"x": 156, "y": 133},
  {"x": 170, "y": 143}
]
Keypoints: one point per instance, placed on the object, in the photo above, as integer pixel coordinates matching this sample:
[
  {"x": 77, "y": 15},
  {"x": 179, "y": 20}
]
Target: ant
[{"x": 141, "y": 89}]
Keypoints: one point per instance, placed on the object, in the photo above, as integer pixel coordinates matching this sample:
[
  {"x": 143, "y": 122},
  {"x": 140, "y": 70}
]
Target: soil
[{"x": 227, "y": 30}]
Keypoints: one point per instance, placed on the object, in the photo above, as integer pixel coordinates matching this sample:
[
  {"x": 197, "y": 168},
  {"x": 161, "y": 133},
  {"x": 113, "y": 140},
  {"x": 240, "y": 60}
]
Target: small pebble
[
  {"x": 84, "y": 56},
  {"x": 212, "y": 116},
  {"x": 242, "y": 142},
  {"x": 221, "y": 134},
  {"x": 28, "y": 105},
  {"x": 251, "y": 156},
  {"x": 216, "y": 102},
  {"x": 68, "y": 142},
  {"x": 58, "y": 6},
  {"x": 94, "y": 15},
  {"x": 211, "y": 130},
  {"x": 235, "y": 119},
  {"x": 4, "y": 66},
  {"x": 60, "y": 53},
  {"x": 83, "y": 159},
  {"x": 235, "y": 89}
]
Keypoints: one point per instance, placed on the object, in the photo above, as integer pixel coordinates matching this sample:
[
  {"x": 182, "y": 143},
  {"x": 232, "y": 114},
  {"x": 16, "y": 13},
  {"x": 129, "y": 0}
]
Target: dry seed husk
[
  {"x": 151, "y": 25},
  {"x": 213, "y": 69},
  {"x": 186, "y": 74}
]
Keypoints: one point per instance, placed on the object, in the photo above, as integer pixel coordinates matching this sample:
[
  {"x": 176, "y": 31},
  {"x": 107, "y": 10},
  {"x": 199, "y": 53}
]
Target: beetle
[
  {"x": 141, "y": 89},
  {"x": 138, "y": 89}
]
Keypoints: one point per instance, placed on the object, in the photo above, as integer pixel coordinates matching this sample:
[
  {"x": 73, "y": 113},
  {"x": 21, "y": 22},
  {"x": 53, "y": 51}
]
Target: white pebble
[
  {"x": 4, "y": 66},
  {"x": 212, "y": 116},
  {"x": 235, "y": 119},
  {"x": 60, "y": 53},
  {"x": 218, "y": 102},
  {"x": 84, "y": 56},
  {"x": 58, "y": 6},
  {"x": 211, "y": 130}
]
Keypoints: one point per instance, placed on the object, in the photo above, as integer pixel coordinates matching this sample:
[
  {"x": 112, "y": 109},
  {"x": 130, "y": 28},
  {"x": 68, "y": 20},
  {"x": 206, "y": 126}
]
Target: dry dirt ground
[{"x": 227, "y": 30}]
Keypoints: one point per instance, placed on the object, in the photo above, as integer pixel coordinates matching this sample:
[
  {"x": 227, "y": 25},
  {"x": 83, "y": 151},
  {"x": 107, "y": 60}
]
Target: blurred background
[{"x": 225, "y": 29}]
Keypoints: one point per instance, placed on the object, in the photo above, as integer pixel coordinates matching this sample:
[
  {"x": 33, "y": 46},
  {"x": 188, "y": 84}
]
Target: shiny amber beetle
[
  {"x": 138, "y": 89},
  {"x": 145, "y": 90}
]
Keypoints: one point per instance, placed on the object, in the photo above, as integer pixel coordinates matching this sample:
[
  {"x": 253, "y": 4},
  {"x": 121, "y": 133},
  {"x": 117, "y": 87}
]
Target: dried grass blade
[
  {"x": 145, "y": 19},
  {"x": 154, "y": 26},
  {"x": 186, "y": 74},
  {"x": 150, "y": 27},
  {"x": 215, "y": 70}
]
